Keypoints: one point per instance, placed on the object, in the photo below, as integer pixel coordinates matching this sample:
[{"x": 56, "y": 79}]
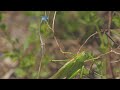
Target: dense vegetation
[{"x": 60, "y": 44}]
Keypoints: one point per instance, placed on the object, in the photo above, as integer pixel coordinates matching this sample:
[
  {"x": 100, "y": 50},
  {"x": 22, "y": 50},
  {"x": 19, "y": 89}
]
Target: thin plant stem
[
  {"x": 52, "y": 28},
  {"x": 109, "y": 44},
  {"x": 111, "y": 51},
  {"x": 86, "y": 41},
  {"x": 42, "y": 44}
]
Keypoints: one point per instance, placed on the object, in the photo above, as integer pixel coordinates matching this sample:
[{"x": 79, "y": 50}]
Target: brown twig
[
  {"x": 115, "y": 61},
  {"x": 112, "y": 39},
  {"x": 111, "y": 51},
  {"x": 52, "y": 28},
  {"x": 109, "y": 44},
  {"x": 86, "y": 41}
]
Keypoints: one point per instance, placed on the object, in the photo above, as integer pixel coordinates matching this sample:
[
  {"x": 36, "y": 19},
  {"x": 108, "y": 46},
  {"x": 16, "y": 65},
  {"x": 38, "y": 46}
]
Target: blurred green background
[{"x": 20, "y": 45}]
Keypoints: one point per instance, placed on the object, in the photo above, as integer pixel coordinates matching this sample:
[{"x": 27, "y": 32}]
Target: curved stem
[{"x": 42, "y": 44}]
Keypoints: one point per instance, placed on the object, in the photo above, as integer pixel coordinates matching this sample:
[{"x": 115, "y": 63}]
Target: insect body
[{"x": 72, "y": 66}]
